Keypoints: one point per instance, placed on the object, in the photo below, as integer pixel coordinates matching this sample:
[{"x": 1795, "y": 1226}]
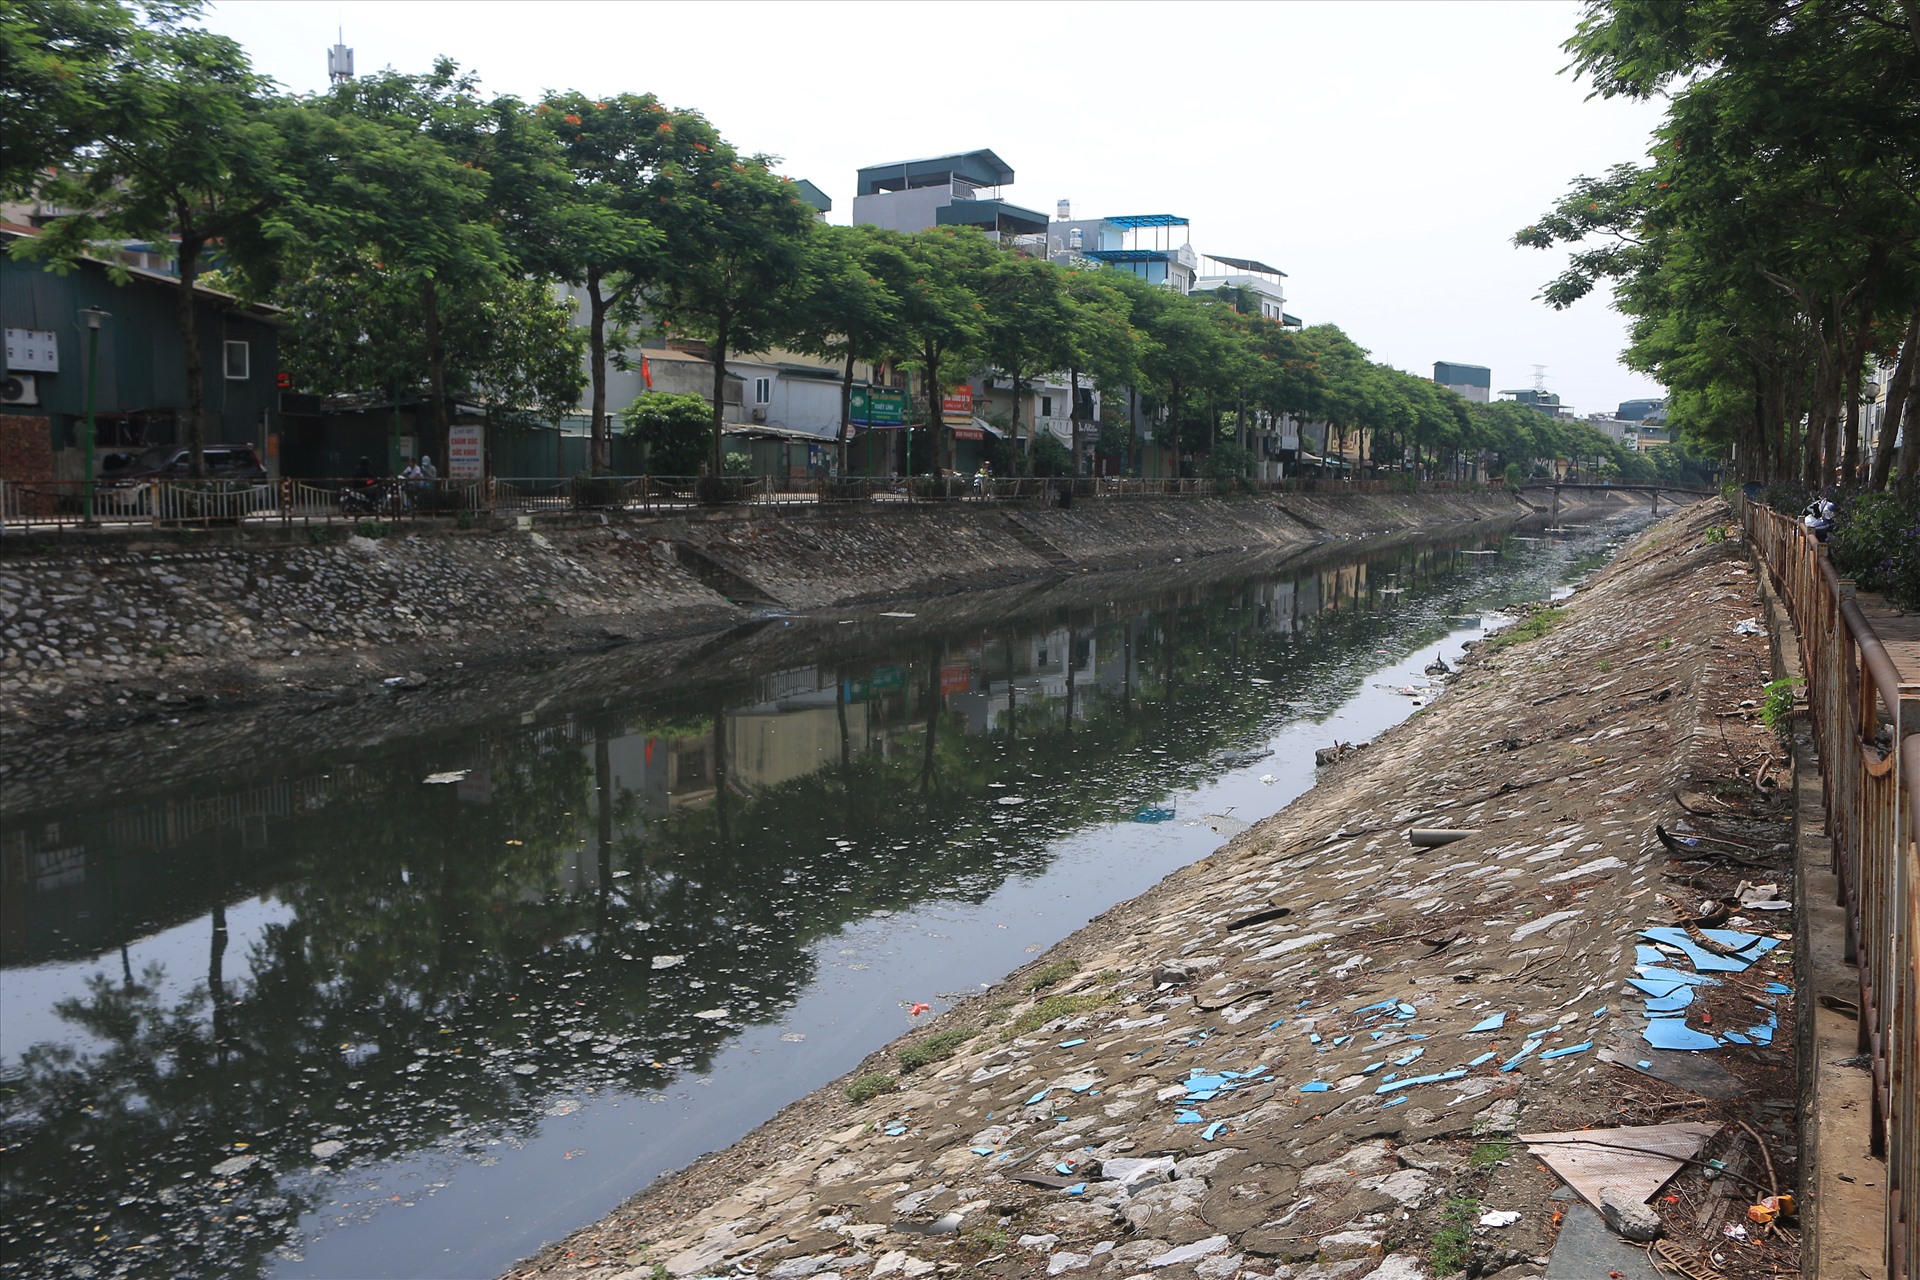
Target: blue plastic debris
[
  {"x": 1340, "y": 1040},
  {"x": 1068, "y": 1044},
  {"x": 1065, "y": 1166},
  {"x": 1644, "y": 1065},
  {"x": 895, "y": 1130},
  {"x": 1377, "y": 1035},
  {"x": 1315, "y": 1086},
  {"x": 1778, "y": 989},
  {"x": 1081, "y": 1088},
  {"x": 1200, "y": 1081},
  {"x": 1483, "y": 1059},
  {"x": 1372, "y": 1067},
  {"x": 1525, "y": 1051},
  {"x": 1746, "y": 947},
  {"x": 1188, "y": 1117},
  {"x": 1039, "y": 1097},
  {"x": 1404, "y": 1010},
  {"x": 1601, "y": 1012},
  {"x": 1313, "y": 1037},
  {"x": 983, "y": 1151},
  {"x": 1213, "y": 1130},
  {"x": 1393, "y": 1102},
  {"x": 1674, "y": 1033},
  {"x": 1569, "y": 1050},
  {"x": 1406, "y": 1058},
  {"x": 1494, "y": 1023},
  {"x": 1395, "y": 1086},
  {"x": 1674, "y": 1003},
  {"x": 1076, "y": 1189}
]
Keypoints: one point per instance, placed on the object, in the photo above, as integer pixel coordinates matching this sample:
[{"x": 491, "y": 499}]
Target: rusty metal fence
[{"x": 1866, "y": 723}]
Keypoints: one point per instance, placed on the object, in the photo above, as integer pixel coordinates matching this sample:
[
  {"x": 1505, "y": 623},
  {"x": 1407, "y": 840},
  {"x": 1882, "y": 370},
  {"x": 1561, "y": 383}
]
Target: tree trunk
[
  {"x": 1897, "y": 391},
  {"x": 718, "y": 355},
  {"x": 1025, "y": 463},
  {"x": 1073, "y": 415},
  {"x": 436, "y": 365},
  {"x": 189, "y": 262},
  {"x": 930, "y": 358},
  {"x": 600, "y": 459},
  {"x": 846, "y": 409}
]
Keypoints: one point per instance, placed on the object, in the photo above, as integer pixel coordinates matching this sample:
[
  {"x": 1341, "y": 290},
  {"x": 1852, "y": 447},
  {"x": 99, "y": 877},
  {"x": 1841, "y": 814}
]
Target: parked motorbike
[{"x": 383, "y": 497}]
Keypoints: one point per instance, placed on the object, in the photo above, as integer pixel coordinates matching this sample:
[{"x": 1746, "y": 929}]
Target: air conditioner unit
[
  {"x": 18, "y": 388},
  {"x": 759, "y": 415}
]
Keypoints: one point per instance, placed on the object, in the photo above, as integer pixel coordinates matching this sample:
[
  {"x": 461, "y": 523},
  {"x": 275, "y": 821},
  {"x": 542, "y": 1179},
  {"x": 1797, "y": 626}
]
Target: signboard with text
[
  {"x": 957, "y": 403},
  {"x": 877, "y": 407},
  {"x": 466, "y": 452}
]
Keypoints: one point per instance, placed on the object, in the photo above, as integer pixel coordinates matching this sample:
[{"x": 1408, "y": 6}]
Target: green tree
[
  {"x": 177, "y": 143},
  {"x": 942, "y": 315},
  {"x": 672, "y": 428},
  {"x": 1027, "y": 327},
  {"x": 850, "y": 305},
  {"x": 737, "y": 267},
  {"x": 1103, "y": 347}
]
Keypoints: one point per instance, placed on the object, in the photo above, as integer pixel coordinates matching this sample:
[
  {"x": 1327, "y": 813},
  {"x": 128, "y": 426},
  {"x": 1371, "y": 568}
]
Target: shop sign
[
  {"x": 957, "y": 403},
  {"x": 466, "y": 452},
  {"x": 877, "y": 407},
  {"x": 955, "y": 677}
]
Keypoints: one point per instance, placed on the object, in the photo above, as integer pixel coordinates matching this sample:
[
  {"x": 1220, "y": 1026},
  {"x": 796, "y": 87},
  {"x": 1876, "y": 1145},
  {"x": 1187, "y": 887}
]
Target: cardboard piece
[{"x": 1637, "y": 1160}]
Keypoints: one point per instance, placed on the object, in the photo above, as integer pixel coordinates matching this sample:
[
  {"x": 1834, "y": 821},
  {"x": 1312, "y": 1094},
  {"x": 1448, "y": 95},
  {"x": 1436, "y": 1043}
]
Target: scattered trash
[
  {"x": 1770, "y": 1208},
  {"x": 1734, "y": 1231},
  {"x": 451, "y": 775},
  {"x": 1570, "y": 1049},
  {"x": 1636, "y": 1160},
  {"x": 1494, "y": 1023},
  {"x": 1749, "y": 627},
  {"x": 1499, "y": 1218},
  {"x": 917, "y": 1008}
]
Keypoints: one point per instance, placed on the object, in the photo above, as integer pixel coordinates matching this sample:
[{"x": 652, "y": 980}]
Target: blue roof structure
[{"x": 1134, "y": 221}]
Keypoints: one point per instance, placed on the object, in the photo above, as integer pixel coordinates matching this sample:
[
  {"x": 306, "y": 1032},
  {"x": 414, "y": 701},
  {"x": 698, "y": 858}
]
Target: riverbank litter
[{"x": 1314, "y": 1054}]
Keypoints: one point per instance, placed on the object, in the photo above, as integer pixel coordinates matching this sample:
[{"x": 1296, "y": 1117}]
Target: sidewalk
[{"x": 1312, "y": 1055}]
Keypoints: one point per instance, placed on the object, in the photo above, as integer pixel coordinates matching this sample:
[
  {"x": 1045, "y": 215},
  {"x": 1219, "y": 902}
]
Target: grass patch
[
  {"x": 1605, "y": 665},
  {"x": 1451, "y": 1244},
  {"x": 869, "y": 1086},
  {"x": 1489, "y": 1154},
  {"x": 1060, "y": 1006},
  {"x": 1777, "y": 711},
  {"x": 934, "y": 1048},
  {"x": 1535, "y": 625},
  {"x": 1048, "y": 975}
]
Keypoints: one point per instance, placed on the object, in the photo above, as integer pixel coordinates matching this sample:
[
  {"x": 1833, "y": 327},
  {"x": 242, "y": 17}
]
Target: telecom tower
[{"x": 340, "y": 61}]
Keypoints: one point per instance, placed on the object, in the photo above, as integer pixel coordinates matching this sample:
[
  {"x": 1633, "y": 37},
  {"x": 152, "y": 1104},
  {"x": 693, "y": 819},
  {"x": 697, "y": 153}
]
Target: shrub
[
  {"x": 1876, "y": 542},
  {"x": 869, "y": 1086},
  {"x": 935, "y": 1048}
]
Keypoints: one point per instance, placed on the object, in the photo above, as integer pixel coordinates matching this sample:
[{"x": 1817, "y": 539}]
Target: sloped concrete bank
[
  {"x": 91, "y": 624},
  {"x": 1311, "y": 1055}
]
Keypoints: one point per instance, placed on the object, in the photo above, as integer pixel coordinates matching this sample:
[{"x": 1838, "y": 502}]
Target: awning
[{"x": 979, "y": 430}]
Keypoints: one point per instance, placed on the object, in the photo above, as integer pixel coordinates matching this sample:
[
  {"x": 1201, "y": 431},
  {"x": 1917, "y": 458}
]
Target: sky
[{"x": 1382, "y": 154}]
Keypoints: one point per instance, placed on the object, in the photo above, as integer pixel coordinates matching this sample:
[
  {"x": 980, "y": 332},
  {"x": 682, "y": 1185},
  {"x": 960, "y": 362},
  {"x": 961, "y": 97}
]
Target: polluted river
[{"x": 412, "y": 1007}]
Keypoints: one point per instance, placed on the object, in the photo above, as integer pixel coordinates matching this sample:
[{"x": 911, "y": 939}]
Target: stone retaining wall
[{"x": 237, "y": 610}]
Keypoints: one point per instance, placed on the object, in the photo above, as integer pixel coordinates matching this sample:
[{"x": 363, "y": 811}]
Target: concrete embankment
[
  {"x": 95, "y": 623},
  {"x": 1317, "y": 1053}
]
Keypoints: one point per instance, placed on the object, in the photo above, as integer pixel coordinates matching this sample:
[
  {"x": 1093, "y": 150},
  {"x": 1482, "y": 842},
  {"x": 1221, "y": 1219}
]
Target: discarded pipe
[{"x": 1433, "y": 837}]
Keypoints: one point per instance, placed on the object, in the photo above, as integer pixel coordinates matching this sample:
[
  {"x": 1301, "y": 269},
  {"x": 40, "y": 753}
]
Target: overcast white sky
[{"x": 1381, "y": 154}]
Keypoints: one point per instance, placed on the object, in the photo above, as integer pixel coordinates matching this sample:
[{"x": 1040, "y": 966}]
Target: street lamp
[{"x": 94, "y": 316}]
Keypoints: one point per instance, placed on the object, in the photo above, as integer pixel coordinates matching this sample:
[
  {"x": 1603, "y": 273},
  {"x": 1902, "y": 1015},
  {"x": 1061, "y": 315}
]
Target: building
[
  {"x": 1547, "y": 402},
  {"x": 1472, "y": 381},
  {"x": 1641, "y": 410},
  {"x": 1148, "y": 250},
  {"x": 1254, "y": 278},
  {"x": 959, "y": 190},
  {"x": 139, "y": 386}
]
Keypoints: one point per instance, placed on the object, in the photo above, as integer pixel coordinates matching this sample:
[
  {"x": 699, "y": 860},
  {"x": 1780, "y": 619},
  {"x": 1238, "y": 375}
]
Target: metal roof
[
  {"x": 1246, "y": 264},
  {"x": 982, "y": 168},
  {"x": 813, "y": 195},
  {"x": 990, "y": 213},
  {"x": 1129, "y": 255},
  {"x": 1134, "y": 221}
]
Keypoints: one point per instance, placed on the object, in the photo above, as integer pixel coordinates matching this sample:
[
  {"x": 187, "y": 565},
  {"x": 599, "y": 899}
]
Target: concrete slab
[{"x": 1585, "y": 1248}]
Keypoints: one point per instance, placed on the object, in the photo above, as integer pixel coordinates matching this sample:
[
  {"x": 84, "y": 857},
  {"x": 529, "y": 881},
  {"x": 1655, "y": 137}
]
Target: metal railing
[
  {"x": 1866, "y": 723},
  {"x": 207, "y": 503}
]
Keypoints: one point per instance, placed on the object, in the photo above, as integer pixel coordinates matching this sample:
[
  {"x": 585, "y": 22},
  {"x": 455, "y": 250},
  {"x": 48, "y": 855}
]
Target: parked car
[
  {"x": 126, "y": 478},
  {"x": 174, "y": 461}
]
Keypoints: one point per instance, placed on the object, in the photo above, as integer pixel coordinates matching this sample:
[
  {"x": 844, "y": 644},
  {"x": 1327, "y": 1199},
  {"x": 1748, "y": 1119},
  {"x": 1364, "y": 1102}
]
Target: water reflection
[{"x": 229, "y": 1006}]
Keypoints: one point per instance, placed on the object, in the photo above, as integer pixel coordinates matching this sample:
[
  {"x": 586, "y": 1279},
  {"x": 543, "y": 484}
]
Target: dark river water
[{"x": 416, "y": 1008}]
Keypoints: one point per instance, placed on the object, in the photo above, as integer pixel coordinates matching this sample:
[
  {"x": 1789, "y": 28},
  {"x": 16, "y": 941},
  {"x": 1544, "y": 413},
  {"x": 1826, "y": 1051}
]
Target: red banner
[
  {"x": 958, "y": 402},
  {"x": 955, "y": 677}
]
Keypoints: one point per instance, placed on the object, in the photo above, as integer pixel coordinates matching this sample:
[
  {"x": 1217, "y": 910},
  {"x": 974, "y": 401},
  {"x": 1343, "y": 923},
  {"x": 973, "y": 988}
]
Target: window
[
  {"x": 1046, "y": 406},
  {"x": 763, "y": 390},
  {"x": 237, "y": 362}
]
